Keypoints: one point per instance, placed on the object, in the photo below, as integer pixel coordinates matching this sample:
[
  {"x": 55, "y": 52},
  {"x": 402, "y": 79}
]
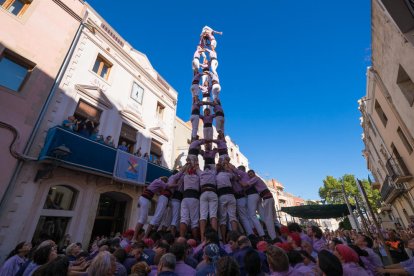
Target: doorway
[{"x": 111, "y": 214}]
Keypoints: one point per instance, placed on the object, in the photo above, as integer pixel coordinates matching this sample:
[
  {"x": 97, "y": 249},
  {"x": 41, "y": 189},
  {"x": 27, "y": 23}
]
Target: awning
[{"x": 318, "y": 211}]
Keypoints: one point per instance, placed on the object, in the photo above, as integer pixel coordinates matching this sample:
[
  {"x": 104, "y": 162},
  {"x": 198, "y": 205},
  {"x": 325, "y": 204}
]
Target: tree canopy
[{"x": 331, "y": 191}]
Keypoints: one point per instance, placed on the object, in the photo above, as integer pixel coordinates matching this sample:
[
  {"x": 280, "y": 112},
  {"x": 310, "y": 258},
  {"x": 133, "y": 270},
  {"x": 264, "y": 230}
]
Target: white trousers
[
  {"x": 216, "y": 90},
  {"x": 166, "y": 218},
  {"x": 214, "y": 65},
  {"x": 227, "y": 207},
  {"x": 208, "y": 133},
  {"x": 175, "y": 212},
  {"x": 195, "y": 120},
  {"x": 220, "y": 123},
  {"x": 190, "y": 212},
  {"x": 208, "y": 205},
  {"x": 143, "y": 207},
  {"x": 269, "y": 214},
  {"x": 253, "y": 202},
  {"x": 244, "y": 215},
  {"x": 196, "y": 64},
  {"x": 159, "y": 211}
]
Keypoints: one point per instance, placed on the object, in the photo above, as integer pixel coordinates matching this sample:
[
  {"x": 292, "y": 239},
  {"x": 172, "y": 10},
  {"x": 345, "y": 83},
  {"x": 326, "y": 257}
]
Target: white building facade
[{"x": 75, "y": 194}]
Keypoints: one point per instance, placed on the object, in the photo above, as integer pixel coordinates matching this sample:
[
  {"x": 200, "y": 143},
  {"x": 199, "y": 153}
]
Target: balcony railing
[
  {"x": 397, "y": 173},
  {"x": 88, "y": 155},
  {"x": 390, "y": 190}
]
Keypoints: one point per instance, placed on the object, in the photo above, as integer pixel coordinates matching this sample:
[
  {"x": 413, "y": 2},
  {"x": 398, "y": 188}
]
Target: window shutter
[
  {"x": 156, "y": 147},
  {"x": 129, "y": 132}
]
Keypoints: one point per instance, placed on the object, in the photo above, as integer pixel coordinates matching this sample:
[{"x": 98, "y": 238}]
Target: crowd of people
[
  {"x": 89, "y": 129},
  {"x": 295, "y": 251}
]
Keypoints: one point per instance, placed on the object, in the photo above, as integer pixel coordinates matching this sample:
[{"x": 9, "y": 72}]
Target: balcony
[
  {"x": 88, "y": 155},
  {"x": 398, "y": 173},
  {"x": 390, "y": 191}
]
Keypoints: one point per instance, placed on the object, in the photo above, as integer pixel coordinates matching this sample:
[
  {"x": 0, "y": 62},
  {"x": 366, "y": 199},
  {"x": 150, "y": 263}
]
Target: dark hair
[
  {"x": 233, "y": 236},
  {"x": 317, "y": 231},
  {"x": 294, "y": 257},
  {"x": 249, "y": 171},
  {"x": 168, "y": 237},
  {"x": 329, "y": 263},
  {"x": 178, "y": 249},
  {"x": 227, "y": 266},
  {"x": 57, "y": 267},
  {"x": 252, "y": 263},
  {"x": 120, "y": 255},
  {"x": 360, "y": 253},
  {"x": 212, "y": 237},
  {"x": 243, "y": 168},
  {"x": 15, "y": 250},
  {"x": 41, "y": 255},
  {"x": 294, "y": 227},
  {"x": 336, "y": 241},
  {"x": 307, "y": 255},
  {"x": 253, "y": 240},
  {"x": 155, "y": 236},
  {"x": 369, "y": 241},
  {"x": 165, "y": 245}
]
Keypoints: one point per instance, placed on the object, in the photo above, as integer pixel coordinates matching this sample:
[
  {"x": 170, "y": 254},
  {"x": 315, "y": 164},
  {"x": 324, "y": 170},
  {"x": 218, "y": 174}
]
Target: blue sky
[{"x": 291, "y": 74}]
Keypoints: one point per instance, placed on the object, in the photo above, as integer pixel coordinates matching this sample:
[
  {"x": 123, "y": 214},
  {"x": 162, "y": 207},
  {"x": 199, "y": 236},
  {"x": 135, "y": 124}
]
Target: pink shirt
[
  {"x": 208, "y": 177},
  {"x": 192, "y": 181},
  {"x": 157, "y": 186},
  {"x": 207, "y": 119},
  {"x": 223, "y": 179},
  {"x": 257, "y": 183},
  {"x": 221, "y": 143}
]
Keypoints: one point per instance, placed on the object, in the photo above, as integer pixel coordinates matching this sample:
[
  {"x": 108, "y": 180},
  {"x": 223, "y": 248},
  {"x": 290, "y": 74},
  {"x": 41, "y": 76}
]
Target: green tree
[{"x": 331, "y": 191}]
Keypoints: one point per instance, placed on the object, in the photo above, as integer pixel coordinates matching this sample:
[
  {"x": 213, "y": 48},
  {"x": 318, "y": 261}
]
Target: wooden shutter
[
  {"x": 156, "y": 147},
  {"x": 86, "y": 110},
  {"x": 128, "y": 132}
]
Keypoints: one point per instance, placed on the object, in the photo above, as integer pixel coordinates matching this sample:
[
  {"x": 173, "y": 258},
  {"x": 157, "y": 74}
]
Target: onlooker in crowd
[
  {"x": 210, "y": 258},
  {"x": 329, "y": 264},
  {"x": 140, "y": 269},
  {"x": 181, "y": 268},
  {"x": 123, "y": 146},
  {"x": 402, "y": 268},
  {"x": 227, "y": 266},
  {"x": 109, "y": 141},
  {"x": 72, "y": 251},
  {"x": 167, "y": 264},
  {"x": 278, "y": 261},
  {"x": 103, "y": 264},
  {"x": 15, "y": 259},
  {"x": 350, "y": 261}
]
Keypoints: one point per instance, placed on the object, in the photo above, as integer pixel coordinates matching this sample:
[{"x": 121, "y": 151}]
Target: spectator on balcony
[
  {"x": 94, "y": 134},
  {"x": 123, "y": 146},
  {"x": 158, "y": 161},
  {"x": 138, "y": 152},
  {"x": 146, "y": 156},
  {"x": 109, "y": 141},
  {"x": 70, "y": 123},
  {"x": 99, "y": 138}
]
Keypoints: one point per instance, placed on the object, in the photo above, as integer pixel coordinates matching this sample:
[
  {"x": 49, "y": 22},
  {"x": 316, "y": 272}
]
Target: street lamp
[{"x": 58, "y": 154}]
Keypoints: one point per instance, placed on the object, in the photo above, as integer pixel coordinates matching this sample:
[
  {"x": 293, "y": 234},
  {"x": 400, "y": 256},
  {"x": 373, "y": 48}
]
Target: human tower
[{"x": 221, "y": 195}]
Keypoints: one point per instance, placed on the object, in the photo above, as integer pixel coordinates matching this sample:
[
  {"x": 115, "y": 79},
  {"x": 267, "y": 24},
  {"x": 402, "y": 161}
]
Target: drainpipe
[{"x": 10, "y": 187}]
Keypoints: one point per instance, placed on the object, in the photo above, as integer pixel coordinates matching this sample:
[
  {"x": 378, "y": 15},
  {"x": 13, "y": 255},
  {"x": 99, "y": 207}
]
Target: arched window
[{"x": 60, "y": 198}]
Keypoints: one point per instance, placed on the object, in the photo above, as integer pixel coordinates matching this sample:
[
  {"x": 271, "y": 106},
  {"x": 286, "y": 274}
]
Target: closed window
[
  {"x": 102, "y": 67},
  {"x": 381, "y": 114},
  {"x": 160, "y": 111},
  {"x": 405, "y": 140},
  {"x": 16, "y": 7},
  {"x": 14, "y": 70}
]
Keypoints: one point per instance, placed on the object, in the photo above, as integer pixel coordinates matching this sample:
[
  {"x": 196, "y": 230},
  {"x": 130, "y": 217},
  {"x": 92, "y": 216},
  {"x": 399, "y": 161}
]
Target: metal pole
[
  {"x": 364, "y": 223},
  {"x": 349, "y": 206},
  {"x": 374, "y": 218}
]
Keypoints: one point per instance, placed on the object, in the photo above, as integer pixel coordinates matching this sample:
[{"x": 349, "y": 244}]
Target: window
[
  {"x": 155, "y": 151},
  {"x": 102, "y": 67},
  {"x": 406, "y": 85},
  {"x": 129, "y": 136},
  {"x": 399, "y": 160},
  {"x": 16, "y": 7},
  {"x": 160, "y": 111},
  {"x": 14, "y": 70},
  {"x": 381, "y": 114},
  {"x": 86, "y": 111},
  {"x": 137, "y": 92},
  {"x": 53, "y": 228},
  {"x": 405, "y": 140},
  {"x": 60, "y": 198}
]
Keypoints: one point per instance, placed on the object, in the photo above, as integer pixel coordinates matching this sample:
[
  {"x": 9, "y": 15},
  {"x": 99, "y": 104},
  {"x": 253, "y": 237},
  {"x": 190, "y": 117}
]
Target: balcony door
[
  {"x": 111, "y": 214},
  {"x": 128, "y": 135}
]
